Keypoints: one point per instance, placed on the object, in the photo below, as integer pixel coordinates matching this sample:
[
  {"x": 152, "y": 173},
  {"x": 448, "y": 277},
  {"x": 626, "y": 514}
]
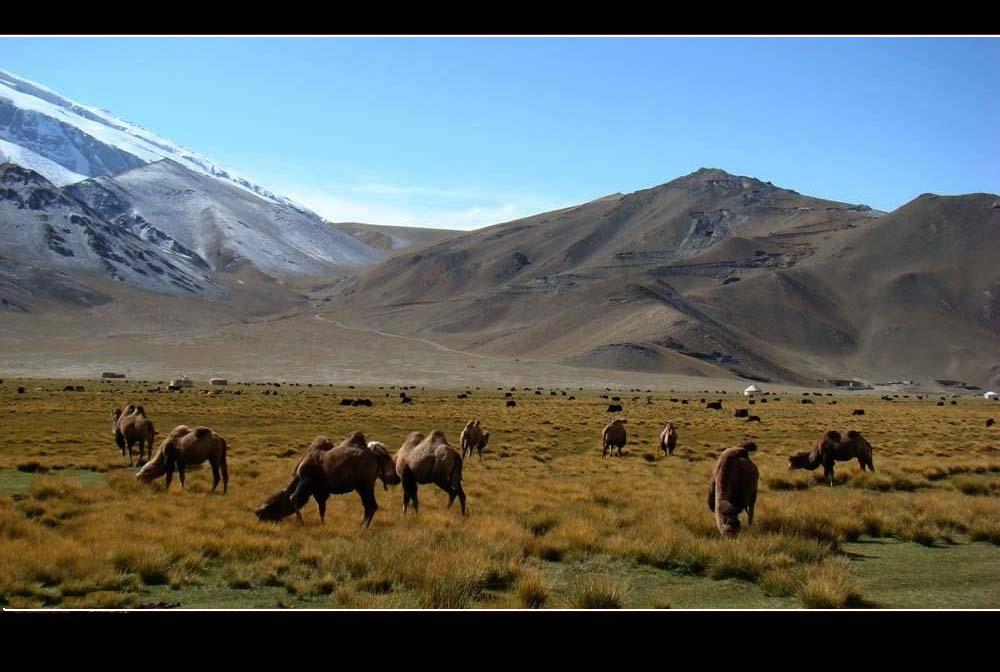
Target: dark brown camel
[
  {"x": 326, "y": 470},
  {"x": 473, "y": 438},
  {"x": 830, "y": 449},
  {"x": 186, "y": 447},
  {"x": 131, "y": 428},
  {"x": 422, "y": 460},
  {"x": 733, "y": 488}
]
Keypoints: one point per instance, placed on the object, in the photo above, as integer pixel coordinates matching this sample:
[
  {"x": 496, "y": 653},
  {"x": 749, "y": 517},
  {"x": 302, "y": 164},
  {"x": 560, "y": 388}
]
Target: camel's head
[
  {"x": 115, "y": 414},
  {"x": 486, "y": 439},
  {"x": 153, "y": 469},
  {"x": 729, "y": 519},
  {"x": 749, "y": 446},
  {"x": 799, "y": 461},
  {"x": 275, "y": 507},
  {"x": 139, "y": 410},
  {"x": 386, "y": 465}
]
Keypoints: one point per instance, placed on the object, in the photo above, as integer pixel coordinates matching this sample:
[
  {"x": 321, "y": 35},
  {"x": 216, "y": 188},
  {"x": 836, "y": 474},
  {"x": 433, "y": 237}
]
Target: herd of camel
[{"x": 355, "y": 464}]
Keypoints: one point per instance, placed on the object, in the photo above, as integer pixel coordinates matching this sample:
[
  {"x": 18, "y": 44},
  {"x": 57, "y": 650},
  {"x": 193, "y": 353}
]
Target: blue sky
[{"x": 461, "y": 133}]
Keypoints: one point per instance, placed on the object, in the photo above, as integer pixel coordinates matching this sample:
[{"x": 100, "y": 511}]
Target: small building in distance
[
  {"x": 112, "y": 374},
  {"x": 182, "y": 381},
  {"x": 218, "y": 381},
  {"x": 991, "y": 395},
  {"x": 752, "y": 391}
]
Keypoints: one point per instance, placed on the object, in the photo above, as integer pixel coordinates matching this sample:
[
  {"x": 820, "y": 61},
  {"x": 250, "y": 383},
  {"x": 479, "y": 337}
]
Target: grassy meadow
[{"x": 551, "y": 523}]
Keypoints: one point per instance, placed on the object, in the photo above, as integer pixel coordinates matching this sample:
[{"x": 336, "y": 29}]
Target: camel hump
[
  {"x": 202, "y": 432},
  {"x": 852, "y": 434},
  {"x": 833, "y": 435},
  {"x": 357, "y": 439},
  {"x": 437, "y": 436},
  {"x": 321, "y": 443}
]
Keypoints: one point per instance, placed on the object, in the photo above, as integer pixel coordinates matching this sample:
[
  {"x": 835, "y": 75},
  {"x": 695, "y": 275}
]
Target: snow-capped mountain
[
  {"x": 44, "y": 230},
  {"x": 66, "y": 141},
  {"x": 225, "y": 225}
]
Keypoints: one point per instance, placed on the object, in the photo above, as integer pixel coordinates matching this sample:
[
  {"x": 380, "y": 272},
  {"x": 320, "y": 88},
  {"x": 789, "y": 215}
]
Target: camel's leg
[
  {"x": 321, "y": 504},
  {"x": 461, "y": 498},
  {"x": 215, "y": 472},
  {"x": 299, "y": 497},
  {"x": 409, "y": 483},
  {"x": 224, "y": 468},
  {"x": 711, "y": 497},
  {"x": 371, "y": 506},
  {"x": 170, "y": 472},
  {"x": 750, "y": 506},
  {"x": 180, "y": 474}
]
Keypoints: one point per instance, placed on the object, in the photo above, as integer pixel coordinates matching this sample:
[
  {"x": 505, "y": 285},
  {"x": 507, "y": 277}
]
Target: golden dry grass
[{"x": 542, "y": 500}]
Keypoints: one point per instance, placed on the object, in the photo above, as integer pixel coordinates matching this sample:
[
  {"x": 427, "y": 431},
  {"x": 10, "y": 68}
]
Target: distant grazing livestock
[
  {"x": 186, "y": 447},
  {"x": 615, "y": 408},
  {"x": 989, "y": 422},
  {"x": 343, "y": 402},
  {"x": 473, "y": 438},
  {"x": 807, "y": 401},
  {"x": 954, "y": 403},
  {"x": 668, "y": 439},
  {"x": 733, "y": 488},
  {"x": 830, "y": 449},
  {"x": 430, "y": 459},
  {"x": 616, "y": 398},
  {"x": 714, "y": 405},
  {"x": 326, "y": 470},
  {"x": 858, "y": 411},
  {"x": 131, "y": 428},
  {"x": 741, "y": 413},
  {"x": 69, "y": 388},
  {"x": 406, "y": 400},
  {"x": 764, "y": 401},
  {"x": 753, "y": 418},
  {"x": 614, "y": 436},
  {"x": 511, "y": 403},
  {"x": 538, "y": 393},
  {"x": 684, "y": 402},
  {"x": 463, "y": 396},
  {"x": 940, "y": 403},
  {"x": 508, "y": 395},
  {"x": 362, "y": 402},
  {"x": 572, "y": 398}
]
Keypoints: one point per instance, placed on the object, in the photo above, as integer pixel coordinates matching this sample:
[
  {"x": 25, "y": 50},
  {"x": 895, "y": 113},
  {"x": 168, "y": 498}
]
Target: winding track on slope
[{"x": 443, "y": 348}]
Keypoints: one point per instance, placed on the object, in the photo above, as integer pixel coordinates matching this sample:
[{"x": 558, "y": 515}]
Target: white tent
[
  {"x": 751, "y": 391},
  {"x": 991, "y": 395}
]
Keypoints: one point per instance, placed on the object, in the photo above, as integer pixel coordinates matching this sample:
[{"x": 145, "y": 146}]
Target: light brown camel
[
  {"x": 429, "y": 460},
  {"x": 131, "y": 428},
  {"x": 473, "y": 438},
  {"x": 733, "y": 488},
  {"x": 186, "y": 447},
  {"x": 614, "y": 436},
  {"x": 326, "y": 470},
  {"x": 668, "y": 439}
]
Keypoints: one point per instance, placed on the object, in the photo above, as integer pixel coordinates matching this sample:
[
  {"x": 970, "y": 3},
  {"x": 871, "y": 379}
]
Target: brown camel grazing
[
  {"x": 830, "y": 449},
  {"x": 668, "y": 439},
  {"x": 473, "y": 438},
  {"x": 131, "y": 428},
  {"x": 334, "y": 470},
  {"x": 733, "y": 488},
  {"x": 186, "y": 447},
  {"x": 614, "y": 436},
  {"x": 429, "y": 460}
]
